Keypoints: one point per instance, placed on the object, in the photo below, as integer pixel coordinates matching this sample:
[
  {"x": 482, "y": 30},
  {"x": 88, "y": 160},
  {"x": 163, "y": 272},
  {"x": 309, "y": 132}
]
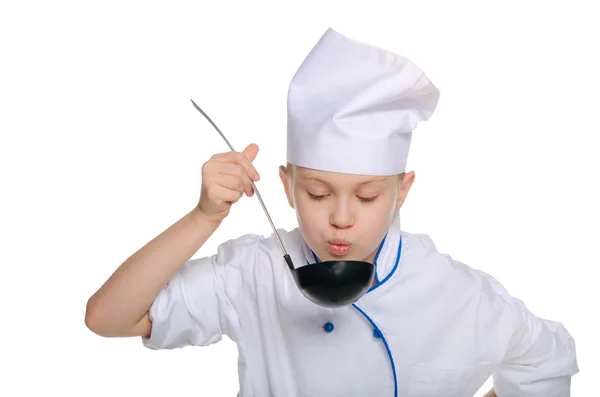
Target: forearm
[{"x": 127, "y": 295}]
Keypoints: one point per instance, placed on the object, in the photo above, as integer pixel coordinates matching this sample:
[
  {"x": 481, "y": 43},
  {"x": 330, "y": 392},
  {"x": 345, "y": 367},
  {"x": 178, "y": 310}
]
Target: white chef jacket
[{"x": 431, "y": 326}]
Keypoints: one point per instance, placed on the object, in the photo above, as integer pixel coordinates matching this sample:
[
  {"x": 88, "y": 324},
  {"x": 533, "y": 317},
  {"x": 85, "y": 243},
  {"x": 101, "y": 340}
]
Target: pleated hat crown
[{"x": 352, "y": 108}]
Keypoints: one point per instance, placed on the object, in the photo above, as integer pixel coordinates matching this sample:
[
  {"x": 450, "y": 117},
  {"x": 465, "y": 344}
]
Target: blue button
[
  {"x": 328, "y": 327},
  {"x": 376, "y": 333}
]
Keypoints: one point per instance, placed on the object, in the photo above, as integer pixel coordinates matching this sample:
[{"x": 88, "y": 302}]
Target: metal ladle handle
[{"x": 288, "y": 260}]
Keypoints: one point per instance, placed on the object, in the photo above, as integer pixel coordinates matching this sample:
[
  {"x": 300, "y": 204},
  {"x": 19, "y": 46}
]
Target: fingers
[
  {"x": 233, "y": 176},
  {"x": 242, "y": 160},
  {"x": 237, "y": 183},
  {"x": 225, "y": 179},
  {"x": 219, "y": 193}
]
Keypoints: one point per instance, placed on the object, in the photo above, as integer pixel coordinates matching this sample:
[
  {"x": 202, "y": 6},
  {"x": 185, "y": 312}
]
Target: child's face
[{"x": 355, "y": 208}]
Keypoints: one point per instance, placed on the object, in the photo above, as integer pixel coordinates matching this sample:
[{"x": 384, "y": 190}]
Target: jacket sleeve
[
  {"x": 540, "y": 356},
  {"x": 195, "y": 307}
]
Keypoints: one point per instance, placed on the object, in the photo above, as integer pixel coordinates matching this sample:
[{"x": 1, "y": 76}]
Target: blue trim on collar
[
  {"x": 377, "y": 257},
  {"x": 379, "y": 284}
]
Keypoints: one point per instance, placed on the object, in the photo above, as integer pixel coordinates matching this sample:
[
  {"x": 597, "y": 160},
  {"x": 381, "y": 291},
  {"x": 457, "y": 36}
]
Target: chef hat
[{"x": 352, "y": 108}]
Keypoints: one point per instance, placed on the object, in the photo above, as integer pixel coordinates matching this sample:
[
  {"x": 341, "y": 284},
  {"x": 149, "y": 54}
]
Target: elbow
[
  {"x": 105, "y": 322},
  {"x": 95, "y": 321},
  {"x": 91, "y": 318}
]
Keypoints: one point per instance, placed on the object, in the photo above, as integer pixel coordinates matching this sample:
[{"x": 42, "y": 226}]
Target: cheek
[
  {"x": 312, "y": 218},
  {"x": 309, "y": 215},
  {"x": 310, "y": 228},
  {"x": 378, "y": 210}
]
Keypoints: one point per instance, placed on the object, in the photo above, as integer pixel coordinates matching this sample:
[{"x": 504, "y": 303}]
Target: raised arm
[{"x": 120, "y": 307}]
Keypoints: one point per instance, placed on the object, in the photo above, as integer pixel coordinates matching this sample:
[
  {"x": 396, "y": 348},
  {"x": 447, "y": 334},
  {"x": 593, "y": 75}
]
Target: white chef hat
[{"x": 352, "y": 108}]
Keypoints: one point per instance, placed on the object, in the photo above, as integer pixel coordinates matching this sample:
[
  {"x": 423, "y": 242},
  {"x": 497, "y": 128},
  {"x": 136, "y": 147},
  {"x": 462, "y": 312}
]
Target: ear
[
  {"x": 404, "y": 188},
  {"x": 286, "y": 186}
]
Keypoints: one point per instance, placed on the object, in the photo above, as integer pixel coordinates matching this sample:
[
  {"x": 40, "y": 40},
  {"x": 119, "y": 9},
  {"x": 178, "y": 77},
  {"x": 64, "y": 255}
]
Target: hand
[{"x": 225, "y": 179}]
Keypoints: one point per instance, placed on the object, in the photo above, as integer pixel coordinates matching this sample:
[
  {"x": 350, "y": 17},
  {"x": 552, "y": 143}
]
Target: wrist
[{"x": 202, "y": 218}]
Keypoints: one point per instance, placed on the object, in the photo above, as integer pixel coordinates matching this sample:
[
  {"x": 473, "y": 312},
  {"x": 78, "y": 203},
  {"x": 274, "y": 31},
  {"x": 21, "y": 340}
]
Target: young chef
[{"x": 429, "y": 325}]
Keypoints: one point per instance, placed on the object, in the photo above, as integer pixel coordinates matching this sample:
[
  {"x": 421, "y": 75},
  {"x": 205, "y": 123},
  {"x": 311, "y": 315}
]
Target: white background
[{"x": 101, "y": 150}]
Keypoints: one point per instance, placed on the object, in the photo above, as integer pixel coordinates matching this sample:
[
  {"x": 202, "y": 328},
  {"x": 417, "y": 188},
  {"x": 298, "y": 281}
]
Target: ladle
[{"x": 329, "y": 283}]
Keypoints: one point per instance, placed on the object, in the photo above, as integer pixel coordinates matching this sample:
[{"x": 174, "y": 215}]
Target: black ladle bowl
[
  {"x": 333, "y": 283},
  {"x": 330, "y": 283}
]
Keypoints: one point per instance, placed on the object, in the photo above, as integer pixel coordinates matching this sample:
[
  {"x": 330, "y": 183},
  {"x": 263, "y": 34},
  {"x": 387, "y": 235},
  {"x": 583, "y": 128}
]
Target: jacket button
[
  {"x": 328, "y": 327},
  {"x": 376, "y": 333}
]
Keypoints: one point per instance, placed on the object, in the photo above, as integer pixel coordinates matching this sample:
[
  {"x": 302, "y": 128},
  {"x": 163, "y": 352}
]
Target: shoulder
[
  {"x": 451, "y": 278},
  {"x": 424, "y": 258},
  {"x": 421, "y": 242},
  {"x": 467, "y": 300}
]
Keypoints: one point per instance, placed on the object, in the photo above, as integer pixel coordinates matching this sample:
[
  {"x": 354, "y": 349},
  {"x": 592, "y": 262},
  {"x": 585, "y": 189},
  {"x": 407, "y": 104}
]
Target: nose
[{"x": 342, "y": 215}]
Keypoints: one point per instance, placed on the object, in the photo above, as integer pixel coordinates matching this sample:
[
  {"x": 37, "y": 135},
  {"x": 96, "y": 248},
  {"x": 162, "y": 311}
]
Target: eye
[
  {"x": 315, "y": 197},
  {"x": 367, "y": 199}
]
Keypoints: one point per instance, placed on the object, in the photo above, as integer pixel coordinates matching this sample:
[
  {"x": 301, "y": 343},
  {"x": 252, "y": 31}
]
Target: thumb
[{"x": 251, "y": 151}]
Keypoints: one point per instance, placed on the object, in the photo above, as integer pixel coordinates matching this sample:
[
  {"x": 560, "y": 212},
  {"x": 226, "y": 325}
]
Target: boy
[{"x": 428, "y": 326}]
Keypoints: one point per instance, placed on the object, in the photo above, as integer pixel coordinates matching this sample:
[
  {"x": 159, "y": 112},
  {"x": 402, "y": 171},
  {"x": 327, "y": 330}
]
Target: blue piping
[
  {"x": 393, "y": 269},
  {"x": 386, "y": 347},
  {"x": 377, "y": 257}
]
